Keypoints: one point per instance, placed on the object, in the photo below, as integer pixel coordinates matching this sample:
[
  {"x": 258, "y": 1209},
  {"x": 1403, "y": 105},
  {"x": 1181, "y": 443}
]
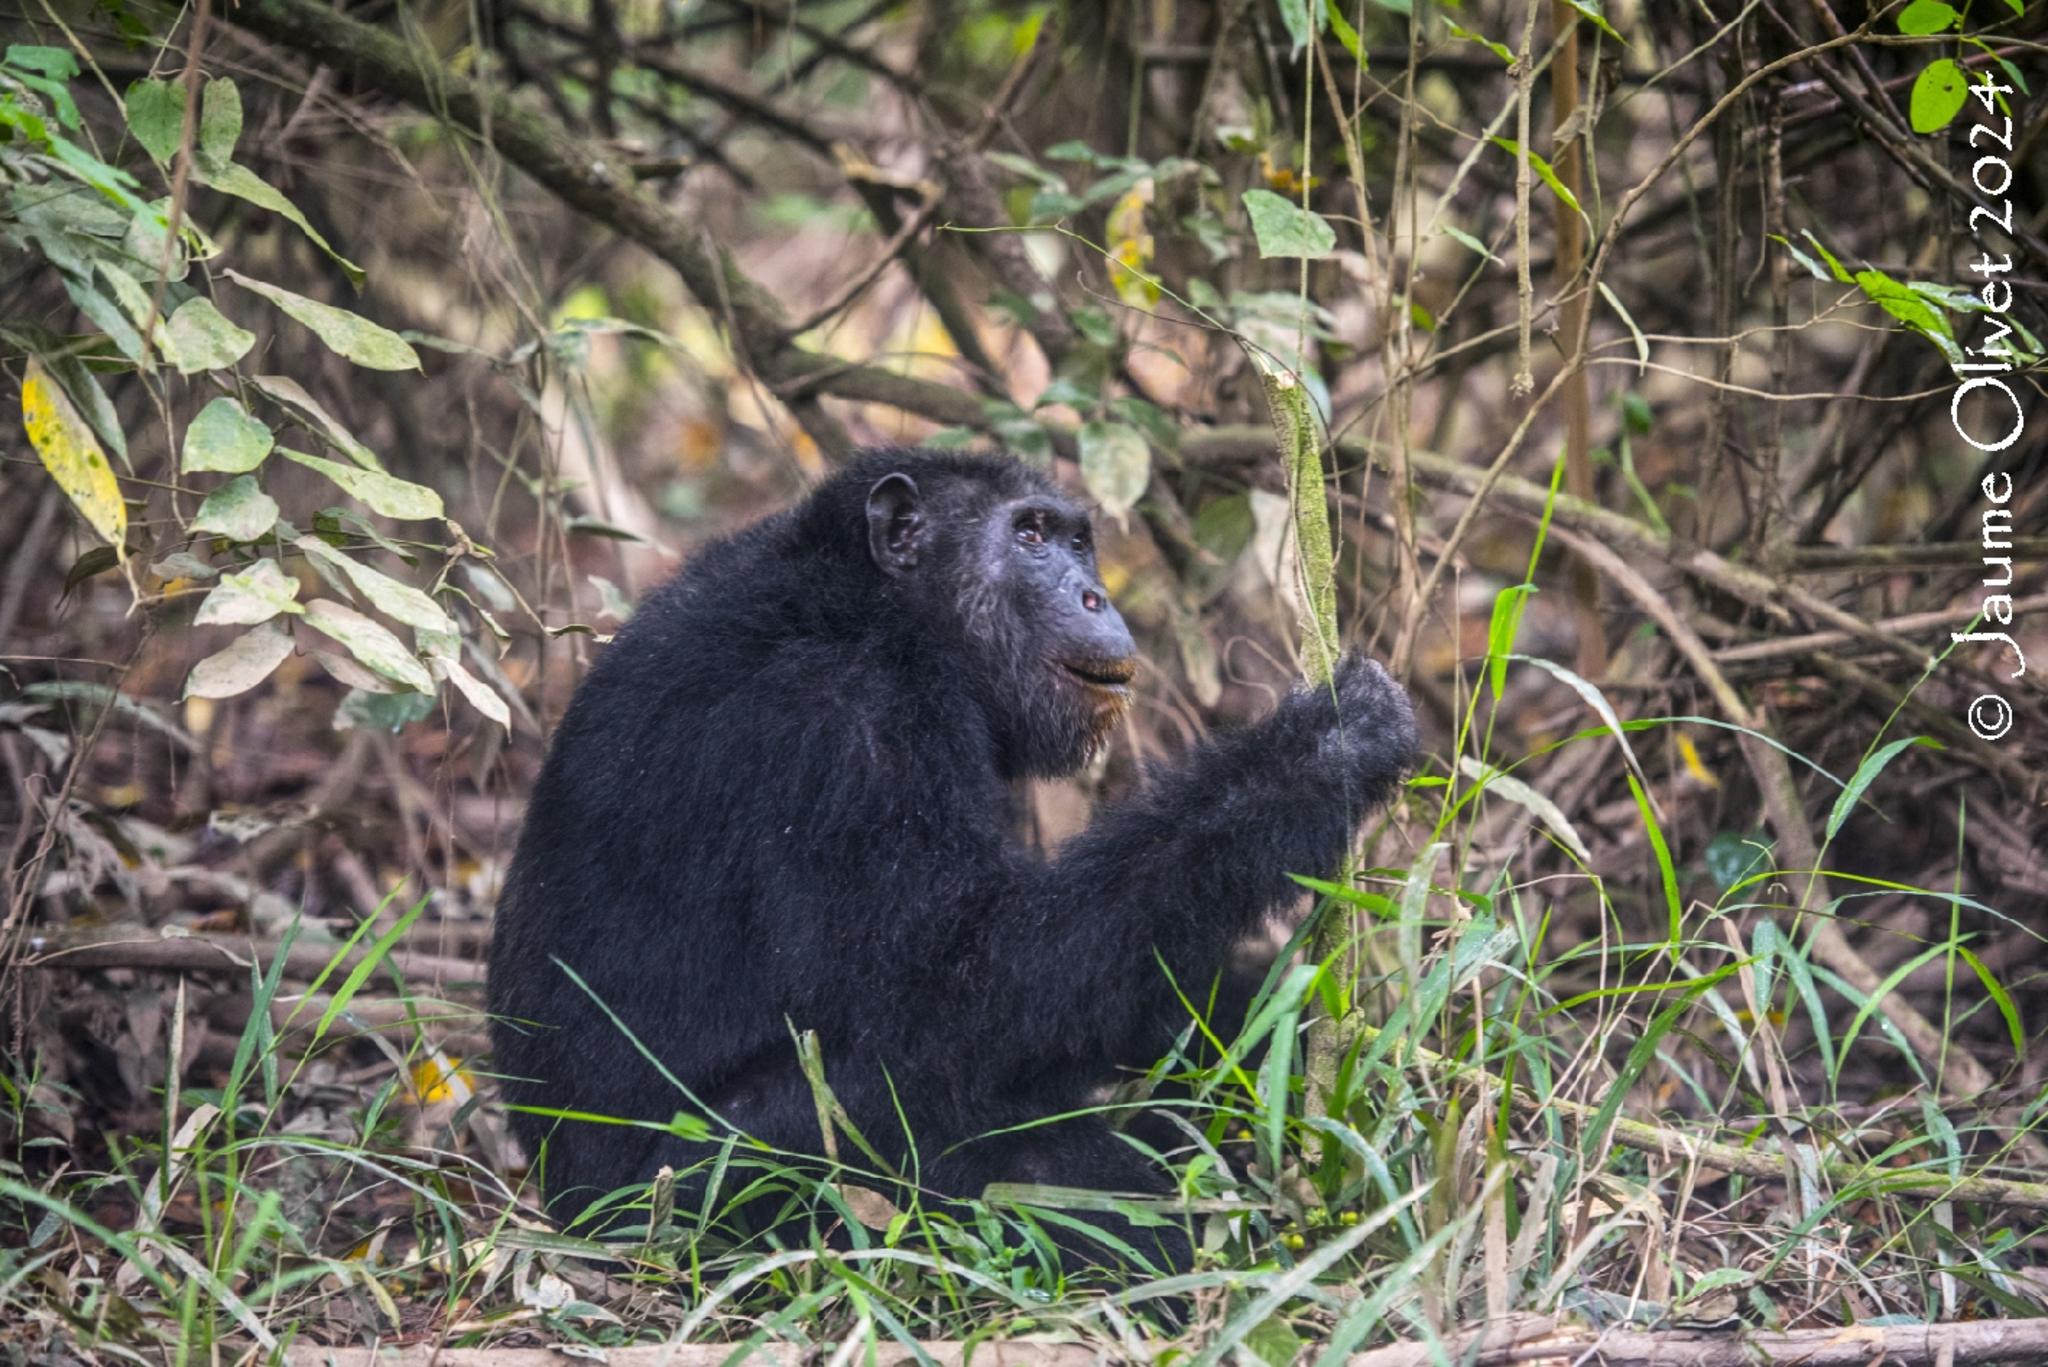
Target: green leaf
[
  {"x": 224, "y": 437},
  {"x": 1812, "y": 267},
  {"x": 370, "y": 642},
  {"x": 1224, "y": 527},
  {"x": 249, "y": 596},
  {"x": 1646, "y": 1048},
  {"x": 1471, "y": 243},
  {"x": 1346, "y": 35},
  {"x": 1938, "y": 95},
  {"x": 1835, "y": 266},
  {"x": 147, "y": 239},
  {"x": 1286, "y": 229},
  {"x": 182, "y": 565},
  {"x": 1116, "y": 465},
  {"x": 220, "y": 122},
  {"x": 1871, "y": 1003},
  {"x": 1642, "y": 342},
  {"x": 292, "y": 394},
  {"x": 401, "y": 602},
  {"x": 55, "y": 62},
  {"x": 1500, "y": 50},
  {"x": 1589, "y": 10},
  {"x": 1911, "y": 306},
  {"x": 1501, "y": 631},
  {"x": 1928, "y": 16},
  {"x": 1522, "y": 795},
  {"x": 105, "y": 315},
  {"x": 114, "y": 701},
  {"x": 1866, "y": 774},
  {"x": 479, "y": 694},
  {"x": 132, "y": 297},
  {"x": 391, "y": 710},
  {"x": 386, "y": 494},
  {"x": 2000, "y": 996},
  {"x": 1273, "y": 1341},
  {"x": 366, "y": 343},
  {"x": 443, "y": 650},
  {"x": 1544, "y": 172},
  {"x": 199, "y": 337},
  {"x": 360, "y": 974},
  {"x": 238, "y": 180},
  {"x": 1594, "y": 699},
  {"x": 239, "y": 510},
  {"x": 1731, "y": 857},
  {"x": 1665, "y": 871},
  {"x": 248, "y": 660},
  {"x": 156, "y": 115},
  {"x": 1303, "y": 21},
  {"x": 54, "y": 66}
]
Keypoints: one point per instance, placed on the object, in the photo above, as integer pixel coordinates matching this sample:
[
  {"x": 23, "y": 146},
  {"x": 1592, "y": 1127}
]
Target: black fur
[{"x": 780, "y": 797}]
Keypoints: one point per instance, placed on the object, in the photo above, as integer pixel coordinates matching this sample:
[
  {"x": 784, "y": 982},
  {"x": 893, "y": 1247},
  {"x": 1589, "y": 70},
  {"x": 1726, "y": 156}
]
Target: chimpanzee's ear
[{"x": 896, "y": 530}]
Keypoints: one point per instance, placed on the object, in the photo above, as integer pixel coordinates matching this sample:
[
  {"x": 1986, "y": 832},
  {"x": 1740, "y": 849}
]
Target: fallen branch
[
  {"x": 1523, "y": 1339},
  {"x": 1980, "y": 1341},
  {"x": 142, "y": 948},
  {"x": 1786, "y": 647},
  {"x": 1907, "y": 556}
]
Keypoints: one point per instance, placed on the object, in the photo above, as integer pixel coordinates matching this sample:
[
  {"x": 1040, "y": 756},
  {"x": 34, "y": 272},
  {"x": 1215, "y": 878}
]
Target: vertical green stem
[
  {"x": 1294, "y": 429},
  {"x": 1315, "y": 565}
]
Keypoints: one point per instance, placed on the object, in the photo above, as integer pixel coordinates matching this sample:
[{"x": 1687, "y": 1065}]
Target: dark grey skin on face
[
  {"x": 1042, "y": 550},
  {"x": 781, "y": 798}
]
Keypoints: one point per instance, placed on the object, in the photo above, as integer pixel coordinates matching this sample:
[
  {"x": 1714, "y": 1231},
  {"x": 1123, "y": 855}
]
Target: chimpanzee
[{"x": 781, "y": 800}]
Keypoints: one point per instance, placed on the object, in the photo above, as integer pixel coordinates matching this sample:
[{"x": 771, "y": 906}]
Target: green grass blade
[{"x": 360, "y": 974}]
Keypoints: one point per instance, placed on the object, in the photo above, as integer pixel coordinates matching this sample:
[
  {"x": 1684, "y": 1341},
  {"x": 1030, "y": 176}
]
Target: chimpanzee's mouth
[{"x": 1106, "y": 674}]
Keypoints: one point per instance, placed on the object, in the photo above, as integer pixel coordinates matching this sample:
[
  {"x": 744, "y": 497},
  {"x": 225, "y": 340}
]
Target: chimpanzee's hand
[{"x": 1361, "y": 728}]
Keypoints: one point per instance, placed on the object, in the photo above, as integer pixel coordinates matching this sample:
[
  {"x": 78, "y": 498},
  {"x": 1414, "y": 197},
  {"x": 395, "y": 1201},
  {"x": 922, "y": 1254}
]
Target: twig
[
  {"x": 1567, "y": 153},
  {"x": 1908, "y": 556},
  {"x": 855, "y": 287},
  {"x": 1786, "y": 647},
  {"x": 141, "y": 948}
]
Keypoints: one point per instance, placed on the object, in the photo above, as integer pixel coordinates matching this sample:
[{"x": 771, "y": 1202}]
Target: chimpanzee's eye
[{"x": 1031, "y": 529}]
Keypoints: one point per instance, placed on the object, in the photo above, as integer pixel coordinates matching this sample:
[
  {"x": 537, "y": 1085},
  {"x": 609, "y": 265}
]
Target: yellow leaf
[
  {"x": 1130, "y": 247},
  {"x": 72, "y": 455},
  {"x": 1690, "y": 755},
  {"x": 1283, "y": 180},
  {"x": 437, "y": 1078}
]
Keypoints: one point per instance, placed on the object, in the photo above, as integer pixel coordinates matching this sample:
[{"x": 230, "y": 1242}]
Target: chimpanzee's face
[
  {"x": 1046, "y": 629},
  {"x": 1047, "y": 652}
]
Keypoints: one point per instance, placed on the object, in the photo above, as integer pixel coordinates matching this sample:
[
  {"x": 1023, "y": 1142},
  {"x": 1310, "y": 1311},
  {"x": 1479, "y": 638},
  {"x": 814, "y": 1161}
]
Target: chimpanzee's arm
[{"x": 1188, "y": 865}]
